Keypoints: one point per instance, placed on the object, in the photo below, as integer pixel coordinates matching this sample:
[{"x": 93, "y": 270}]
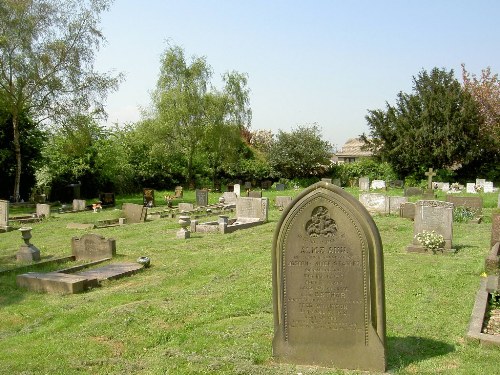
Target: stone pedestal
[
  {"x": 184, "y": 232},
  {"x": 27, "y": 252}
]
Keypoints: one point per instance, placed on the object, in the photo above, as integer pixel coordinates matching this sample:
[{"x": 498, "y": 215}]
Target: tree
[
  {"x": 46, "y": 62},
  {"x": 300, "y": 153},
  {"x": 437, "y": 125}
]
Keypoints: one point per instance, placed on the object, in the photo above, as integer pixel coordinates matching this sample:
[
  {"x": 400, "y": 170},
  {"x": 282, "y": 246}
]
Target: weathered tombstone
[
  {"x": 185, "y": 207},
  {"x": 407, "y": 210},
  {"x": 282, "y": 201},
  {"x": 495, "y": 228},
  {"x": 328, "y": 283},
  {"x": 329, "y": 180},
  {"x": 336, "y": 181},
  {"x": 429, "y": 175},
  {"x": 396, "y": 184},
  {"x": 445, "y": 187},
  {"x": 378, "y": 184},
  {"x": 4, "y": 216},
  {"x": 471, "y": 188},
  {"x": 429, "y": 194},
  {"x": 248, "y": 185},
  {"x": 237, "y": 189},
  {"x": 134, "y": 213},
  {"x": 412, "y": 191},
  {"x": 252, "y": 208},
  {"x": 266, "y": 184},
  {"x": 229, "y": 197},
  {"x": 202, "y": 197},
  {"x": 107, "y": 199},
  {"x": 42, "y": 210},
  {"x": 280, "y": 187},
  {"x": 431, "y": 216},
  {"x": 474, "y": 204},
  {"x": 364, "y": 183},
  {"x": 480, "y": 182},
  {"x": 148, "y": 197},
  {"x": 178, "y": 192},
  {"x": 230, "y": 188},
  {"x": 375, "y": 203},
  {"x": 255, "y": 194},
  {"x": 395, "y": 204},
  {"x": 488, "y": 187},
  {"x": 79, "y": 205},
  {"x": 27, "y": 252},
  {"x": 93, "y": 247}
]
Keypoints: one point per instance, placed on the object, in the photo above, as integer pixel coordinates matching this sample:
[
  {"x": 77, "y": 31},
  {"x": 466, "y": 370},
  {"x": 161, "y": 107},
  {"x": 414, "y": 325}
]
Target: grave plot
[
  {"x": 382, "y": 204},
  {"x": 466, "y": 209}
]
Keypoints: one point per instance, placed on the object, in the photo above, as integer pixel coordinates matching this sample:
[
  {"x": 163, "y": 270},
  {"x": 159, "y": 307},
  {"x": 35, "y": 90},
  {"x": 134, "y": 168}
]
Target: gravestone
[
  {"x": 336, "y": 181},
  {"x": 412, "y": 191},
  {"x": 474, "y": 204},
  {"x": 252, "y": 208},
  {"x": 229, "y": 197},
  {"x": 471, "y": 188},
  {"x": 364, "y": 183},
  {"x": 378, "y": 184},
  {"x": 230, "y": 188},
  {"x": 282, "y": 201},
  {"x": 266, "y": 185},
  {"x": 4, "y": 216},
  {"x": 148, "y": 197},
  {"x": 395, "y": 203},
  {"x": 428, "y": 194},
  {"x": 255, "y": 194},
  {"x": 375, "y": 203},
  {"x": 398, "y": 184},
  {"x": 495, "y": 228},
  {"x": 185, "y": 207},
  {"x": 92, "y": 247},
  {"x": 178, "y": 193},
  {"x": 107, "y": 199},
  {"x": 407, "y": 210},
  {"x": 480, "y": 182},
  {"x": 445, "y": 187},
  {"x": 79, "y": 205},
  {"x": 488, "y": 187},
  {"x": 429, "y": 175},
  {"x": 42, "y": 210},
  {"x": 248, "y": 185},
  {"x": 329, "y": 180},
  {"x": 134, "y": 213},
  {"x": 328, "y": 283},
  {"x": 237, "y": 189},
  {"x": 202, "y": 197},
  {"x": 280, "y": 187},
  {"x": 431, "y": 216}
]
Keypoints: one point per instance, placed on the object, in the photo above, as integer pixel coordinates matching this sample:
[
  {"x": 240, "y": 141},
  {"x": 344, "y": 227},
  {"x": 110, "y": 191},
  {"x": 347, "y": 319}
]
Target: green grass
[{"x": 205, "y": 305}]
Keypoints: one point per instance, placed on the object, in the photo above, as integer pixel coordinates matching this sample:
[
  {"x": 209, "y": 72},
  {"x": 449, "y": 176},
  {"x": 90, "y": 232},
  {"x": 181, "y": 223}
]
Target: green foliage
[
  {"x": 300, "y": 153},
  {"x": 437, "y": 125},
  {"x": 462, "y": 214},
  {"x": 350, "y": 172}
]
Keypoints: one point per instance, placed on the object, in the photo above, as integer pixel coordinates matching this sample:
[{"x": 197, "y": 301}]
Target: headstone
[
  {"x": 429, "y": 175},
  {"x": 282, "y": 202},
  {"x": 107, "y": 199},
  {"x": 248, "y": 185},
  {"x": 329, "y": 180},
  {"x": 79, "y": 205},
  {"x": 134, "y": 213},
  {"x": 280, "y": 187},
  {"x": 237, "y": 189},
  {"x": 229, "y": 197},
  {"x": 255, "y": 194},
  {"x": 471, "y": 188},
  {"x": 431, "y": 216},
  {"x": 398, "y": 184},
  {"x": 375, "y": 203},
  {"x": 202, "y": 197},
  {"x": 328, "y": 283},
  {"x": 407, "y": 210},
  {"x": 336, "y": 181},
  {"x": 378, "y": 184},
  {"x": 178, "y": 192},
  {"x": 475, "y": 204},
  {"x": 148, "y": 197},
  {"x": 412, "y": 191},
  {"x": 445, "y": 187},
  {"x": 488, "y": 187},
  {"x": 480, "y": 182},
  {"x": 252, "y": 208},
  {"x": 4, "y": 216},
  {"x": 495, "y": 228},
  {"x": 185, "y": 207},
  {"x": 364, "y": 183},
  {"x": 395, "y": 203},
  {"x": 266, "y": 185},
  {"x": 428, "y": 194},
  {"x": 93, "y": 247},
  {"x": 230, "y": 188},
  {"x": 42, "y": 210}
]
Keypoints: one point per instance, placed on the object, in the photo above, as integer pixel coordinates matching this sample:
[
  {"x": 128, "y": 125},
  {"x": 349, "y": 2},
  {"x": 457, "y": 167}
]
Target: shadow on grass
[{"x": 403, "y": 351}]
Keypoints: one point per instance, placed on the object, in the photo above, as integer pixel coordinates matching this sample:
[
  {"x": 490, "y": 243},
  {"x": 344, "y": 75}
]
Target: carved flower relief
[{"x": 321, "y": 224}]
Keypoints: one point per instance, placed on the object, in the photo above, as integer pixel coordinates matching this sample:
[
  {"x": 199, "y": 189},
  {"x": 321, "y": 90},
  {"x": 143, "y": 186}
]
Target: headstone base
[
  {"x": 423, "y": 250},
  {"x": 28, "y": 254},
  {"x": 183, "y": 234},
  {"x": 5, "y": 229}
]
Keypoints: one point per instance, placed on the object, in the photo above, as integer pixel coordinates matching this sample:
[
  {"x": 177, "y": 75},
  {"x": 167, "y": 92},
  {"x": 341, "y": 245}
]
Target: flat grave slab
[
  {"x": 52, "y": 282},
  {"x": 111, "y": 271}
]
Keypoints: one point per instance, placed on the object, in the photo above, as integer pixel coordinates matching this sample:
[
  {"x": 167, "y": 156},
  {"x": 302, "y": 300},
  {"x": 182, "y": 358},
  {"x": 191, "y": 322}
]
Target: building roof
[{"x": 352, "y": 148}]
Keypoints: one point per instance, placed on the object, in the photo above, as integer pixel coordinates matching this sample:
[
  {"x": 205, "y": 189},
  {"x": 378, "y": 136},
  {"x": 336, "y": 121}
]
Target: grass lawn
[{"x": 205, "y": 305}]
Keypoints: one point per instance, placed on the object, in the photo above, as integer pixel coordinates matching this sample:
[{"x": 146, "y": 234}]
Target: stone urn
[
  {"x": 26, "y": 234},
  {"x": 184, "y": 222},
  {"x": 145, "y": 261},
  {"x": 27, "y": 252}
]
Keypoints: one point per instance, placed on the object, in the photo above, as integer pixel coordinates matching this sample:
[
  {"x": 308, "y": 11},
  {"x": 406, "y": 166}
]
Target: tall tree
[
  {"x": 437, "y": 125},
  {"x": 46, "y": 62}
]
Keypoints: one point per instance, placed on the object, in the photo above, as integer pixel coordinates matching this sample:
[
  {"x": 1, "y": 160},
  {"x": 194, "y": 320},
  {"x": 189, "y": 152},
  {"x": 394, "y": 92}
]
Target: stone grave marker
[
  {"x": 202, "y": 197},
  {"x": 266, "y": 185},
  {"x": 79, "y": 205},
  {"x": 431, "y": 215},
  {"x": 470, "y": 188},
  {"x": 229, "y": 197},
  {"x": 185, "y": 207},
  {"x": 407, "y": 210},
  {"x": 329, "y": 180},
  {"x": 255, "y": 194},
  {"x": 134, "y": 213},
  {"x": 398, "y": 184},
  {"x": 237, "y": 189},
  {"x": 282, "y": 201},
  {"x": 336, "y": 181},
  {"x": 328, "y": 283},
  {"x": 27, "y": 252},
  {"x": 480, "y": 182},
  {"x": 148, "y": 197},
  {"x": 93, "y": 247},
  {"x": 378, "y": 184},
  {"x": 395, "y": 203},
  {"x": 412, "y": 191},
  {"x": 42, "y": 210},
  {"x": 475, "y": 204},
  {"x": 375, "y": 203},
  {"x": 252, "y": 208},
  {"x": 248, "y": 185},
  {"x": 230, "y": 188},
  {"x": 445, "y": 187},
  {"x": 178, "y": 193},
  {"x": 495, "y": 228},
  {"x": 429, "y": 175},
  {"x": 4, "y": 216},
  {"x": 107, "y": 199},
  {"x": 280, "y": 187},
  {"x": 488, "y": 187},
  {"x": 364, "y": 183}
]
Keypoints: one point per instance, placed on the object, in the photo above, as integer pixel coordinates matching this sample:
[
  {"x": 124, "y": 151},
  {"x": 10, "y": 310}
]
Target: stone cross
[{"x": 429, "y": 175}]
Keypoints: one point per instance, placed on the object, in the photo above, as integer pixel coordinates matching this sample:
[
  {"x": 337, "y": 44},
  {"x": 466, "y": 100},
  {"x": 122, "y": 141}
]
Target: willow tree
[{"x": 47, "y": 52}]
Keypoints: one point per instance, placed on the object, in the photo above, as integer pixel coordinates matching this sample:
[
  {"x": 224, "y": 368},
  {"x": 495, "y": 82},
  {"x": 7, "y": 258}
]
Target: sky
[{"x": 324, "y": 62}]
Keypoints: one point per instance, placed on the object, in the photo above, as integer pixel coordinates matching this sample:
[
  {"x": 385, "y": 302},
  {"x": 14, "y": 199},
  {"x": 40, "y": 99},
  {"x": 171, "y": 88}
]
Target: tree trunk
[{"x": 17, "y": 152}]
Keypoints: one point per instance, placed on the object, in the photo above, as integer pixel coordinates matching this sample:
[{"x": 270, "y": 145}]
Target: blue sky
[{"x": 326, "y": 62}]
